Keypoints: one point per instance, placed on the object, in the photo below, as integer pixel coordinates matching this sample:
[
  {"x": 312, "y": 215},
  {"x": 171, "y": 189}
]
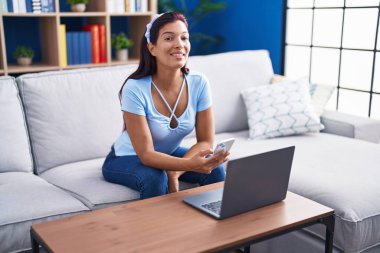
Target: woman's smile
[{"x": 178, "y": 55}]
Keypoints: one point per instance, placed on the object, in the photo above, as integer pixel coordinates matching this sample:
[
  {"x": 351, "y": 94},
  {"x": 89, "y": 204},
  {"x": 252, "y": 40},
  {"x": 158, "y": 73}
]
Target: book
[
  {"x": 82, "y": 47},
  {"x": 21, "y": 6},
  {"x": 51, "y": 6},
  {"x": 3, "y": 6},
  {"x": 88, "y": 47},
  {"x": 15, "y": 6},
  {"x": 63, "y": 45},
  {"x": 127, "y": 6},
  {"x": 69, "y": 45},
  {"x": 132, "y": 5},
  {"x": 44, "y": 5},
  {"x": 138, "y": 5},
  {"x": 29, "y": 6},
  {"x": 94, "y": 29},
  {"x": 111, "y": 6},
  {"x": 36, "y": 6},
  {"x": 47, "y": 5},
  {"x": 10, "y": 5},
  {"x": 102, "y": 43},
  {"x": 75, "y": 47},
  {"x": 119, "y": 6},
  {"x": 144, "y": 5}
]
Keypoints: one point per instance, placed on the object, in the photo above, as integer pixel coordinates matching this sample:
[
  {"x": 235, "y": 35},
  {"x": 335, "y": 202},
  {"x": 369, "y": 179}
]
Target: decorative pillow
[
  {"x": 320, "y": 93},
  {"x": 280, "y": 110}
]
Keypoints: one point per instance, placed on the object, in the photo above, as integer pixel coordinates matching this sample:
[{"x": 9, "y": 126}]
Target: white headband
[{"x": 149, "y": 26}]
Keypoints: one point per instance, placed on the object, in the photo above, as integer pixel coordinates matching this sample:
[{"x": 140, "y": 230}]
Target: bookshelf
[
  {"x": 2, "y": 49},
  {"x": 42, "y": 31}
]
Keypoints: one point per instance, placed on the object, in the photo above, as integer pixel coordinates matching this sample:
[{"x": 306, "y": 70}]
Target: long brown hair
[{"x": 147, "y": 65}]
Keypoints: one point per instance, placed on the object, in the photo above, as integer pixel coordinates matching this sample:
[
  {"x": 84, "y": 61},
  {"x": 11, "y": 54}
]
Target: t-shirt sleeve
[
  {"x": 204, "y": 99},
  {"x": 132, "y": 99}
]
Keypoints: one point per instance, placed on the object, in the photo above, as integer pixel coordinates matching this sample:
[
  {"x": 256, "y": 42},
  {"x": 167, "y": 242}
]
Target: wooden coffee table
[{"x": 167, "y": 224}]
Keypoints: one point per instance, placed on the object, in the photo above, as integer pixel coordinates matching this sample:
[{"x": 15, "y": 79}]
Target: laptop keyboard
[{"x": 213, "y": 206}]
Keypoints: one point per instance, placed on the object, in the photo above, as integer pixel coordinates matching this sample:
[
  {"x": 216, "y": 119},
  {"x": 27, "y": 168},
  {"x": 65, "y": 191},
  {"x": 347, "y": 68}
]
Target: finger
[
  {"x": 211, "y": 165},
  {"x": 205, "y": 170},
  {"x": 205, "y": 152},
  {"x": 213, "y": 160},
  {"x": 215, "y": 157},
  {"x": 219, "y": 161},
  {"x": 221, "y": 158},
  {"x": 215, "y": 164},
  {"x": 210, "y": 161},
  {"x": 226, "y": 157},
  {"x": 221, "y": 154}
]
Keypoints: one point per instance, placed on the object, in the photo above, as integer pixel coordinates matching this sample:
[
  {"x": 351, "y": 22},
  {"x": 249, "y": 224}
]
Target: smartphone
[{"x": 224, "y": 145}]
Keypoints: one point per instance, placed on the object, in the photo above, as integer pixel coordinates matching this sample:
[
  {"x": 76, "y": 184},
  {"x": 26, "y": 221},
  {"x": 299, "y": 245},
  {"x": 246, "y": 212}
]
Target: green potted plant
[
  {"x": 23, "y": 55},
  {"x": 121, "y": 43},
  {"x": 78, "y": 5}
]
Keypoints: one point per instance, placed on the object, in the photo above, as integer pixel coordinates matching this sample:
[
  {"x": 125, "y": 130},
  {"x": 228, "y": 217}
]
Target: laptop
[{"x": 251, "y": 182}]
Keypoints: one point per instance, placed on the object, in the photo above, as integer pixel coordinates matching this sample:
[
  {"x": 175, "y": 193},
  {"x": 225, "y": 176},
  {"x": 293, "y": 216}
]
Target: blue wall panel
[{"x": 248, "y": 24}]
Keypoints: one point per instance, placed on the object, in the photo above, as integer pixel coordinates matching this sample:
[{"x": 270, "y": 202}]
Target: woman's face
[{"x": 172, "y": 47}]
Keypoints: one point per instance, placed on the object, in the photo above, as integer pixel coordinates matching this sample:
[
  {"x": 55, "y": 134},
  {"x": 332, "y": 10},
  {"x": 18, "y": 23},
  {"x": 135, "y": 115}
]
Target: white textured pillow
[
  {"x": 320, "y": 93},
  {"x": 280, "y": 110}
]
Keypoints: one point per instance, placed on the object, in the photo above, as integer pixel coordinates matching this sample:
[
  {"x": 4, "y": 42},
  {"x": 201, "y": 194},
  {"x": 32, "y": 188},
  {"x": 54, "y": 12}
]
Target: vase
[
  {"x": 122, "y": 55},
  {"x": 78, "y": 7},
  {"x": 24, "y": 61}
]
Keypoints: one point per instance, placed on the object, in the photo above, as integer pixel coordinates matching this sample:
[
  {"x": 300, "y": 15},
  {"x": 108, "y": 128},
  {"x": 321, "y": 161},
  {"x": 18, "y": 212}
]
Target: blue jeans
[{"x": 151, "y": 182}]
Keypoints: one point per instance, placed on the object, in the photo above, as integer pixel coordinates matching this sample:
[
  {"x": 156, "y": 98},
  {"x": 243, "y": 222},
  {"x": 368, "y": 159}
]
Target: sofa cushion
[
  {"x": 279, "y": 110},
  {"x": 72, "y": 115},
  {"x": 85, "y": 181},
  {"x": 26, "y": 199},
  {"x": 14, "y": 145},
  {"x": 229, "y": 73},
  {"x": 329, "y": 169}
]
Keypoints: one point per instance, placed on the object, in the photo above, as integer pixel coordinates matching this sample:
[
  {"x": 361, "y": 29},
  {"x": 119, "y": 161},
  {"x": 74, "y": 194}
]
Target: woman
[{"x": 162, "y": 102}]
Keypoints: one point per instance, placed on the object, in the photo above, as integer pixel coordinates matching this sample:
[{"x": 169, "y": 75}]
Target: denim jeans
[{"x": 151, "y": 182}]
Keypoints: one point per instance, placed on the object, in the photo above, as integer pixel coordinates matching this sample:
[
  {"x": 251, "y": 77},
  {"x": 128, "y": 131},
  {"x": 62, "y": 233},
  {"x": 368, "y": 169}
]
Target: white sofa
[{"x": 54, "y": 139}]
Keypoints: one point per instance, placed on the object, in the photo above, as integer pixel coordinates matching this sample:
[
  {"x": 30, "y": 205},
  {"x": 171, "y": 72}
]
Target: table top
[{"x": 167, "y": 224}]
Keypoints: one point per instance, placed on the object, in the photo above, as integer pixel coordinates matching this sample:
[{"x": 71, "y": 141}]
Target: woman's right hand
[{"x": 202, "y": 164}]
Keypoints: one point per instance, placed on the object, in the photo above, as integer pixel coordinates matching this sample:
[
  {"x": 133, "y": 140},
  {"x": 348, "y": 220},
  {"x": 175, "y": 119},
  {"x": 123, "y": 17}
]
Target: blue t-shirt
[{"x": 137, "y": 99}]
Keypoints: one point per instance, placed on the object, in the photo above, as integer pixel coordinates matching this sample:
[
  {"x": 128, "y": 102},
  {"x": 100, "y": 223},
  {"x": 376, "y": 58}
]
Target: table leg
[
  {"x": 247, "y": 249},
  {"x": 329, "y": 222},
  {"x": 35, "y": 245}
]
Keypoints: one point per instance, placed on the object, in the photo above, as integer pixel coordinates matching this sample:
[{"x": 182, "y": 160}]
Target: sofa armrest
[{"x": 351, "y": 126}]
